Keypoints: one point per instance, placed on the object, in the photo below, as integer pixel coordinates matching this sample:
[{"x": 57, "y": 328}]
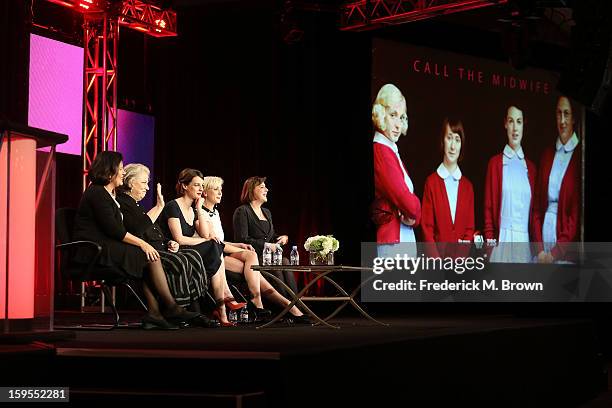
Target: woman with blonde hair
[
  {"x": 239, "y": 256},
  {"x": 396, "y": 209}
]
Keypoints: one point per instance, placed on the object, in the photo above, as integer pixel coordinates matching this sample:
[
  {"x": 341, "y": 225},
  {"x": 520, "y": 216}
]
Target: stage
[{"x": 423, "y": 360}]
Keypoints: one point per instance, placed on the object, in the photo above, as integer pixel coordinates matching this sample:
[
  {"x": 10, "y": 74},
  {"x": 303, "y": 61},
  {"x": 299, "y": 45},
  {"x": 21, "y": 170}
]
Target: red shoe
[
  {"x": 217, "y": 315},
  {"x": 232, "y": 304}
]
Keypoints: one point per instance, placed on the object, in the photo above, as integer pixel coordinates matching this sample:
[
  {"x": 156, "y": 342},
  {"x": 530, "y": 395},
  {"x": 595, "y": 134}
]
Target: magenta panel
[{"x": 56, "y": 90}]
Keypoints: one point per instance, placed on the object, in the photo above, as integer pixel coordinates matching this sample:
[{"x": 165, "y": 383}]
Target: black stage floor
[{"x": 424, "y": 361}]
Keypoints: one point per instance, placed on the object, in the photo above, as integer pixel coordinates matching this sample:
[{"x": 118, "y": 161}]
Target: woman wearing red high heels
[
  {"x": 179, "y": 221},
  {"x": 239, "y": 256}
]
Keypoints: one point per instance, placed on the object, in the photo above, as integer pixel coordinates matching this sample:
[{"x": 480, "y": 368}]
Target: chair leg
[
  {"x": 127, "y": 285},
  {"x": 108, "y": 294},
  {"x": 240, "y": 295},
  {"x": 211, "y": 298}
]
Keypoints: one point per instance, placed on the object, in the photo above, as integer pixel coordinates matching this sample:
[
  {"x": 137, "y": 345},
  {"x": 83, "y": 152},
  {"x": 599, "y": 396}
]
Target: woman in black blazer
[
  {"x": 253, "y": 225},
  {"x": 99, "y": 219}
]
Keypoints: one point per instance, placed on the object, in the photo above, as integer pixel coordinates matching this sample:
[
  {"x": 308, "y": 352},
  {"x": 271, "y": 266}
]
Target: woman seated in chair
[
  {"x": 184, "y": 268},
  {"x": 253, "y": 225},
  {"x": 239, "y": 256},
  {"x": 99, "y": 219},
  {"x": 179, "y": 221}
]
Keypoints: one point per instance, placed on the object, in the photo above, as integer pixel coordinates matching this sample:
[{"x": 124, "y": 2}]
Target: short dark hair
[
  {"x": 456, "y": 126},
  {"x": 185, "y": 177},
  {"x": 104, "y": 167},
  {"x": 247, "y": 194}
]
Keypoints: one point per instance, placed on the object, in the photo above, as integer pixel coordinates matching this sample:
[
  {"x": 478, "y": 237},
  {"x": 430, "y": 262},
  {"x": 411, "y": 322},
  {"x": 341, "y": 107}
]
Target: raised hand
[
  {"x": 160, "y": 196},
  {"x": 199, "y": 203}
]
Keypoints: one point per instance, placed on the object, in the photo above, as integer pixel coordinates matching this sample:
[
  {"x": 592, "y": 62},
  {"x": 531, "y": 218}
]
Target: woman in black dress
[
  {"x": 253, "y": 225},
  {"x": 179, "y": 221},
  {"x": 99, "y": 219},
  {"x": 184, "y": 268}
]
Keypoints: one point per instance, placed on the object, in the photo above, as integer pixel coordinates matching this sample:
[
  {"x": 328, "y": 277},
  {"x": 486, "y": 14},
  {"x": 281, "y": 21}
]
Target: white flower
[
  {"x": 327, "y": 245},
  {"x": 322, "y": 244}
]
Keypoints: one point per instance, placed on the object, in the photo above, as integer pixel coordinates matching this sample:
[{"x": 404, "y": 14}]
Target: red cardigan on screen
[
  {"x": 436, "y": 221},
  {"x": 493, "y": 194},
  {"x": 568, "y": 212},
  {"x": 392, "y": 196}
]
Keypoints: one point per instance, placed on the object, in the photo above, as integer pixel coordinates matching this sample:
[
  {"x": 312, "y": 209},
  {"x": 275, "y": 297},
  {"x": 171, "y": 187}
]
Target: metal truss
[
  {"x": 370, "y": 14},
  {"x": 100, "y": 46},
  {"x": 147, "y": 18},
  {"x": 102, "y": 19},
  {"x": 136, "y": 14}
]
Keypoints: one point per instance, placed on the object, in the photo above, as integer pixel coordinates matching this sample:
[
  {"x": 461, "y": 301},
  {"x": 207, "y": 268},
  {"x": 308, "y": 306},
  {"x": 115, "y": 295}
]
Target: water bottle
[
  {"x": 267, "y": 255},
  {"x": 295, "y": 256},
  {"x": 278, "y": 255},
  {"x": 232, "y": 316},
  {"x": 244, "y": 315}
]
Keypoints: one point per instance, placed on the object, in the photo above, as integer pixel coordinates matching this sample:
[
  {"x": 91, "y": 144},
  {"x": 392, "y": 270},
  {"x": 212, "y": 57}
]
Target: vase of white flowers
[{"x": 321, "y": 249}]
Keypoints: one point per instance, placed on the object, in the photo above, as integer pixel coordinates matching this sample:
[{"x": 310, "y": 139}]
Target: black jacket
[
  {"x": 249, "y": 229},
  {"x": 98, "y": 218}
]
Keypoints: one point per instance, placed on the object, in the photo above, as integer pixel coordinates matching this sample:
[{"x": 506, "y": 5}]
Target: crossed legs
[{"x": 241, "y": 262}]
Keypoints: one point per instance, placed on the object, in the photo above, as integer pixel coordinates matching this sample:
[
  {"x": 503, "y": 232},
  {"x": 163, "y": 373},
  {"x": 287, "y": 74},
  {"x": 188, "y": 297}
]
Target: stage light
[
  {"x": 161, "y": 23},
  {"x": 85, "y": 6}
]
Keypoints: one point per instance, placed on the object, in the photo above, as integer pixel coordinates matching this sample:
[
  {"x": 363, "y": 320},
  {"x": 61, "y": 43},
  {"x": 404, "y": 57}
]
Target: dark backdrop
[{"x": 232, "y": 99}]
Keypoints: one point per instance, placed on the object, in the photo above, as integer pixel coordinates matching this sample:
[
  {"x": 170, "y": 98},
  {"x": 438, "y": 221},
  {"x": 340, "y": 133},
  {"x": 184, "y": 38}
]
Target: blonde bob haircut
[
  {"x": 132, "y": 171},
  {"x": 211, "y": 182},
  {"x": 388, "y": 95}
]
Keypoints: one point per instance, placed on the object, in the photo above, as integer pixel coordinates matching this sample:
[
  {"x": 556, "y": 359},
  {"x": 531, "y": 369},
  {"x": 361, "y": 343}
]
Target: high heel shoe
[
  {"x": 232, "y": 304},
  {"x": 262, "y": 314},
  {"x": 303, "y": 319},
  {"x": 203, "y": 321},
  {"x": 217, "y": 315},
  {"x": 149, "y": 322}
]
